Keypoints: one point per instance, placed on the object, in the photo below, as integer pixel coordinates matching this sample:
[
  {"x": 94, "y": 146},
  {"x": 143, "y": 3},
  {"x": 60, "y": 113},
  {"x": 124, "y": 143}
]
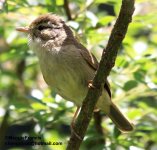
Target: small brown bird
[{"x": 67, "y": 65}]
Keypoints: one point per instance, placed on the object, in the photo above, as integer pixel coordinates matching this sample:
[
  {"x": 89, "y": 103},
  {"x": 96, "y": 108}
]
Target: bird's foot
[{"x": 90, "y": 84}]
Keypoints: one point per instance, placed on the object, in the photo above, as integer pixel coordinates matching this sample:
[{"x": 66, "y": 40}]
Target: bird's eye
[
  {"x": 41, "y": 27},
  {"x": 56, "y": 26}
]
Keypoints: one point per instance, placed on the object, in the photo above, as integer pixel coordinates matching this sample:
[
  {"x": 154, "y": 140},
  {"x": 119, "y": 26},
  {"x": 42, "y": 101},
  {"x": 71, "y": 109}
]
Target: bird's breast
[{"x": 65, "y": 70}]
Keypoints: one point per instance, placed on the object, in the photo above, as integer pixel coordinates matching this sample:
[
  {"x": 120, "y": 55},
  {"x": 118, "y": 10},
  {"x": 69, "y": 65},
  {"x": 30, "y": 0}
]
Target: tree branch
[
  {"x": 67, "y": 9},
  {"x": 107, "y": 62},
  {"x": 97, "y": 121}
]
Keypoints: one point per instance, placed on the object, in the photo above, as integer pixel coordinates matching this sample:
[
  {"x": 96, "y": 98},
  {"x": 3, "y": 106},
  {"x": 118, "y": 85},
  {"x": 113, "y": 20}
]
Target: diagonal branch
[{"x": 107, "y": 62}]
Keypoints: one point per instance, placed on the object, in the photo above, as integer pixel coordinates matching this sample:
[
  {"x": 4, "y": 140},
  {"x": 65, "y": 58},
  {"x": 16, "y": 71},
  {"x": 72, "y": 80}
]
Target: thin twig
[{"x": 67, "y": 9}]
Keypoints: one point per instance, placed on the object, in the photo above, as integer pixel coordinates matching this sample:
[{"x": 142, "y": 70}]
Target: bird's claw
[{"x": 90, "y": 84}]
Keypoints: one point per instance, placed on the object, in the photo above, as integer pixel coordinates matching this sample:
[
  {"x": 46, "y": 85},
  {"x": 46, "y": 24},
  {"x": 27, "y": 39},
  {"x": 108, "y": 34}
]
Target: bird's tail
[{"x": 119, "y": 119}]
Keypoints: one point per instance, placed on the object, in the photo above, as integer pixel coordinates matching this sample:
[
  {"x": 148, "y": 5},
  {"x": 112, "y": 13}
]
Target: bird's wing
[
  {"x": 92, "y": 62},
  {"x": 90, "y": 59}
]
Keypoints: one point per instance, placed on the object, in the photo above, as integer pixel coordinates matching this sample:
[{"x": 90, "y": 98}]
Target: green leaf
[
  {"x": 130, "y": 85},
  {"x": 139, "y": 75},
  {"x": 105, "y": 20},
  {"x": 59, "y": 2},
  {"x": 117, "y": 133}
]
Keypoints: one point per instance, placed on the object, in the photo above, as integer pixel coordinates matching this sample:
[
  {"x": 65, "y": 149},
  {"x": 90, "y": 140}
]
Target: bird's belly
[
  {"x": 66, "y": 82},
  {"x": 72, "y": 87},
  {"x": 73, "y": 93}
]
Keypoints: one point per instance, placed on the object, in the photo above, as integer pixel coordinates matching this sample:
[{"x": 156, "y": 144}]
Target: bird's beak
[{"x": 23, "y": 29}]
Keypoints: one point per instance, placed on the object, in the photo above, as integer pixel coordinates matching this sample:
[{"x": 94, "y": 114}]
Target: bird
[{"x": 67, "y": 66}]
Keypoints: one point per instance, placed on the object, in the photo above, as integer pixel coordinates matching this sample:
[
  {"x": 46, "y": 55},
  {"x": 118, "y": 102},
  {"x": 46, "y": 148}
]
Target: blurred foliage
[{"x": 29, "y": 107}]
